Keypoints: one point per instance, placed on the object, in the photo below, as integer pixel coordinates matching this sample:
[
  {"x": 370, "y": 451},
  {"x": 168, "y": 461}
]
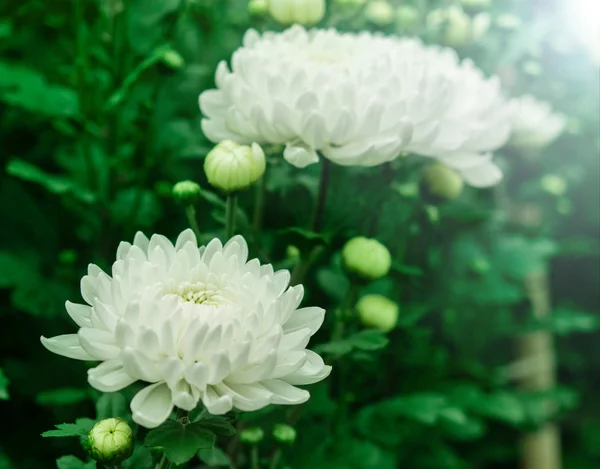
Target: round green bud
[
  {"x": 187, "y": 192},
  {"x": 252, "y": 435},
  {"x": 292, "y": 252},
  {"x": 379, "y": 12},
  {"x": 378, "y": 311},
  {"x": 173, "y": 59},
  {"x": 110, "y": 441},
  {"x": 258, "y": 7},
  {"x": 231, "y": 167},
  {"x": 407, "y": 16},
  {"x": 284, "y": 433},
  {"x": 305, "y": 12},
  {"x": 554, "y": 184},
  {"x": 440, "y": 183},
  {"x": 366, "y": 258}
]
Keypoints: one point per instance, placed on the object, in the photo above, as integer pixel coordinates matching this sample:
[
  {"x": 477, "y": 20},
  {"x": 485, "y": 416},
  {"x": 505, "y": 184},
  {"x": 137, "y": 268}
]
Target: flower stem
[
  {"x": 342, "y": 313},
  {"x": 164, "y": 463},
  {"x": 190, "y": 212},
  {"x": 254, "y": 457},
  {"x": 317, "y": 220},
  {"x": 276, "y": 459},
  {"x": 230, "y": 216}
]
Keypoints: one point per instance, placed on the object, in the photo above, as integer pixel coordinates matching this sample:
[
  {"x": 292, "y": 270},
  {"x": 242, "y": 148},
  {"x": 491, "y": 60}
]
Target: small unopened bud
[
  {"x": 554, "y": 184},
  {"x": 407, "y": 17},
  {"x": 187, "y": 192},
  {"x": 231, "y": 167},
  {"x": 440, "y": 183},
  {"x": 110, "y": 441},
  {"x": 284, "y": 434},
  {"x": 292, "y": 252},
  {"x": 379, "y": 12},
  {"x": 258, "y": 7},
  {"x": 305, "y": 12},
  {"x": 378, "y": 311},
  {"x": 173, "y": 59},
  {"x": 252, "y": 436},
  {"x": 366, "y": 258}
]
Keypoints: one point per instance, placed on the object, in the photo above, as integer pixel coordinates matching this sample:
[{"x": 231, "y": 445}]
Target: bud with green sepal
[
  {"x": 252, "y": 435},
  {"x": 231, "y": 167},
  {"x": 366, "y": 259},
  {"x": 110, "y": 441},
  {"x": 440, "y": 183},
  {"x": 378, "y": 311},
  {"x": 173, "y": 59},
  {"x": 305, "y": 12},
  {"x": 284, "y": 433},
  {"x": 187, "y": 192}
]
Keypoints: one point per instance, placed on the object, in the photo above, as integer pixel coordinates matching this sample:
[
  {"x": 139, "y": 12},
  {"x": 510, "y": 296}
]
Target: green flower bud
[
  {"x": 232, "y": 167},
  {"x": 379, "y": 12},
  {"x": 305, "y": 12},
  {"x": 440, "y": 183},
  {"x": 284, "y": 434},
  {"x": 378, "y": 311},
  {"x": 366, "y": 258},
  {"x": 554, "y": 185},
  {"x": 258, "y": 7},
  {"x": 187, "y": 192},
  {"x": 292, "y": 252},
  {"x": 173, "y": 59},
  {"x": 407, "y": 17},
  {"x": 110, "y": 441},
  {"x": 252, "y": 436}
]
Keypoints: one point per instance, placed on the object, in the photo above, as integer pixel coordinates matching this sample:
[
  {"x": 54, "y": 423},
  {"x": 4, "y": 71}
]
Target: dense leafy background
[{"x": 99, "y": 118}]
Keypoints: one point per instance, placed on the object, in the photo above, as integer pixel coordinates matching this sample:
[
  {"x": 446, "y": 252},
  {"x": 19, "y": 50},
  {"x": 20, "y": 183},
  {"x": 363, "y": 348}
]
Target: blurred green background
[{"x": 99, "y": 118}]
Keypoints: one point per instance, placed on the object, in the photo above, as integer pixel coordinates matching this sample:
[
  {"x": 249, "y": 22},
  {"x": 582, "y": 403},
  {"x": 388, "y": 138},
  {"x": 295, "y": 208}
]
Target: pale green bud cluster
[
  {"x": 379, "y": 12},
  {"x": 440, "y": 183},
  {"x": 231, "y": 167},
  {"x": 457, "y": 27},
  {"x": 378, "y": 311},
  {"x": 473, "y": 6},
  {"x": 252, "y": 435},
  {"x": 110, "y": 441},
  {"x": 366, "y": 258},
  {"x": 554, "y": 184},
  {"x": 284, "y": 433},
  {"x": 407, "y": 17},
  {"x": 187, "y": 192},
  {"x": 304, "y": 12}
]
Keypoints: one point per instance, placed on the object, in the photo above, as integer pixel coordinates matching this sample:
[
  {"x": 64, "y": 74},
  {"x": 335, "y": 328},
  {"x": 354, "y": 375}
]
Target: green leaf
[
  {"x": 3, "y": 386},
  {"x": 181, "y": 442},
  {"x": 111, "y": 404},
  {"x": 79, "y": 428},
  {"x": 367, "y": 340},
  {"x": 218, "y": 425},
  {"x": 71, "y": 462},
  {"x": 62, "y": 396},
  {"x": 214, "y": 457},
  {"x": 140, "y": 459},
  {"x": 56, "y": 184}
]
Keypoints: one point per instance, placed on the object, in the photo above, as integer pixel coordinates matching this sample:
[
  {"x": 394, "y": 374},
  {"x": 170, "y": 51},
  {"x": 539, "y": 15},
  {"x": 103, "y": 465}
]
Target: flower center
[{"x": 199, "y": 293}]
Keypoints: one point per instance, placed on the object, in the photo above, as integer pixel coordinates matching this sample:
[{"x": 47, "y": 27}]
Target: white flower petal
[
  {"x": 152, "y": 405},
  {"x": 217, "y": 404},
  {"x": 81, "y": 314},
  {"x": 109, "y": 376},
  {"x": 67, "y": 345}
]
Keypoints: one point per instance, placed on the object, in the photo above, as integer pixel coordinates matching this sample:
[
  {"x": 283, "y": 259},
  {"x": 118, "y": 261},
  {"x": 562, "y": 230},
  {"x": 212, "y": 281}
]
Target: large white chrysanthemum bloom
[
  {"x": 534, "y": 124},
  {"x": 357, "y": 99},
  {"x": 200, "y": 324}
]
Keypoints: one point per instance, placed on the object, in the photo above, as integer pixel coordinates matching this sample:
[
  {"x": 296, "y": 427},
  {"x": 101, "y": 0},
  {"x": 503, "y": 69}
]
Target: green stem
[
  {"x": 276, "y": 459},
  {"x": 190, "y": 212},
  {"x": 342, "y": 313},
  {"x": 230, "y": 216},
  {"x": 259, "y": 204},
  {"x": 255, "y": 457},
  {"x": 164, "y": 463},
  {"x": 319, "y": 212}
]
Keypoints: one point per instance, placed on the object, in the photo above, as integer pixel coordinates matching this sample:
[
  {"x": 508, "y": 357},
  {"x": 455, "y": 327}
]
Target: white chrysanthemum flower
[
  {"x": 534, "y": 123},
  {"x": 201, "y": 324},
  {"x": 357, "y": 99}
]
